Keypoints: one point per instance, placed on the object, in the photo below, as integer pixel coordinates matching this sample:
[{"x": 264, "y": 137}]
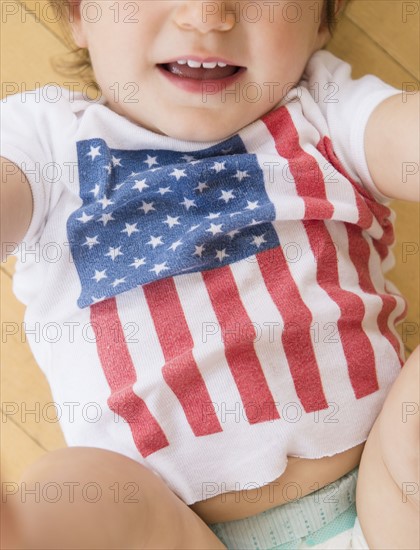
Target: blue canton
[{"x": 151, "y": 214}]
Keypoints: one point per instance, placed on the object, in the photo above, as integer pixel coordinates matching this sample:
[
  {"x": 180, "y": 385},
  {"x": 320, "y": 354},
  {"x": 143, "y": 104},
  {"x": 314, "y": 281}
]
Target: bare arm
[
  {"x": 16, "y": 205},
  {"x": 392, "y": 146}
]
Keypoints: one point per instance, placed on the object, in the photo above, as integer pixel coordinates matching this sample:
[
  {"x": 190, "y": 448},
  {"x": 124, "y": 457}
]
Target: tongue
[{"x": 200, "y": 74}]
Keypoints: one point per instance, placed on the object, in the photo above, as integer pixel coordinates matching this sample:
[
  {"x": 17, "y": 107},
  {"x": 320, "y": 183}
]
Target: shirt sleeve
[
  {"x": 346, "y": 105},
  {"x": 29, "y": 123}
]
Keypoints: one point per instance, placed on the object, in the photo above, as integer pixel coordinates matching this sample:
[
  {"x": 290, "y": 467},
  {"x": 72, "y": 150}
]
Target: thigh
[
  {"x": 387, "y": 494},
  {"x": 82, "y": 497}
]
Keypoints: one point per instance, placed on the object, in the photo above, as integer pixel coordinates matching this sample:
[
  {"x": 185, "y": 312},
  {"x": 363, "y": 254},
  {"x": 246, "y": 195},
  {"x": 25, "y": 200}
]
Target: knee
[{"x": 81, "y": 497}]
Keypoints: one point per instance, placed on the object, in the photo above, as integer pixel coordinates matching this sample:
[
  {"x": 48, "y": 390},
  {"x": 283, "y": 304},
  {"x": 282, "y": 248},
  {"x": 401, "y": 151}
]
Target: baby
[{"x": 209, "y": 238}]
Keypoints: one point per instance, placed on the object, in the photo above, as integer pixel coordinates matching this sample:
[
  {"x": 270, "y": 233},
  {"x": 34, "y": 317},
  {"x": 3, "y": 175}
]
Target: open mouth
[{"x": 205, "y": 71}]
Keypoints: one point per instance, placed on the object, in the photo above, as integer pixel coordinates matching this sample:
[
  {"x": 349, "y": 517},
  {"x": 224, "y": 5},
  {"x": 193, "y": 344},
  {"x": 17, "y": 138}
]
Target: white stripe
[
  {"x": 209, "y": 350},
  {"x": 148, "y": 360},
  {"x": 278, "y": 180},
  {"x": 269, "y": 326}
]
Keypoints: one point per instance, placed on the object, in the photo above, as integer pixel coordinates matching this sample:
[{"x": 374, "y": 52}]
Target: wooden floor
[{"x": 376, "y": 36}]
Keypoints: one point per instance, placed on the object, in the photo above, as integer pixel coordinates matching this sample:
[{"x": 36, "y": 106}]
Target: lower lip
[{"x": 208, "y": 87}]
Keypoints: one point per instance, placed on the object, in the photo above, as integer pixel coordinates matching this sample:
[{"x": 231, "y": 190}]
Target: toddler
[{"x": 209, "y": 241}]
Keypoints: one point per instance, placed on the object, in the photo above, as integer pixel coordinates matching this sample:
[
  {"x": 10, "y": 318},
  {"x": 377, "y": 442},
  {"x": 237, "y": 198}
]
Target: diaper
[{"x": 324, "y": 519}]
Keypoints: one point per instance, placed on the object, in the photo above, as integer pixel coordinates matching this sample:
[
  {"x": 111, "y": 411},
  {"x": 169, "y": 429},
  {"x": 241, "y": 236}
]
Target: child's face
[{"x": 128, "y": 40}]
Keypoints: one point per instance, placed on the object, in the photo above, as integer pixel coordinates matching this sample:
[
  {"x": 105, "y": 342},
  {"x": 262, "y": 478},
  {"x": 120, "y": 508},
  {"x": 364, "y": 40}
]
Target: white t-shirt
[{"x": 208, "y": 309}]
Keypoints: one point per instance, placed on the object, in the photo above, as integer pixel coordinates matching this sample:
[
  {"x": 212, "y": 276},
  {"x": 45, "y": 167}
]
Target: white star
[
  {"x": 201, "y": 185},
  {"x": 214, "y": 229},
  {"x": 147, "y": 207},
  {"x": 221, "y": 254},
  {"x": 108, "y": 168},
  {"x": 234, "y": 214},
  {"x": 188, "y": 203},
  {"x": 155, "y": 241},
  {"x": 233, "y": 233},
  {"x": 178, "y": 174},
  {"x": 138, "y": 262},
  {"x": 95, "y": 190},
  {"x": 130, "y": 228},
  {"x": 105, "y": 202},
  {"x": 116, "y": 162},
  {"x": 99, "y": 275},
  {"x": 254, "y": 222},
  {"x": 199, "y": 250},
  {"x": 219, "y": 166},
  {"x": 172, "y": 221},
  {"x": 118, "y": 282},
  {"x": 227, "y": 196},
  {"x": 140, "y": 185},
  {"x": 94, "y": 152},
  {"x": 241, "y": 175},
  {"x": 193, "y": 227},
  {"x": 159, "y": 267},
  {"x": 187, "y": 158},
  {"x": 114, "y": 253},
  {"x": 96, "y": 300},
  {"x": 150, "y": 161},
  {"x": 84, "y": 218},
  {"x": 91, "y": 241},
  {"x": 105, "y": 218},
  {"x": 163, "y": 190},
  {"x": 258, "y": 240},
  {"x": 116, "y": 187},
  {"x": 134, "y": 174},
  {"x": 175, "y": 245},
  {"x": 213, "y": 215},
  {"x": 251, "y": 205}
]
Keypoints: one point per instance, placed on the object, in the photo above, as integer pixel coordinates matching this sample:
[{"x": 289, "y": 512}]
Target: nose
[{"x": 205, "y": 16}]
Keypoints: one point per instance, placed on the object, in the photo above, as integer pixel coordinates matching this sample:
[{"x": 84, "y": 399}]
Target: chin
[{"x": 200, "y": 132}]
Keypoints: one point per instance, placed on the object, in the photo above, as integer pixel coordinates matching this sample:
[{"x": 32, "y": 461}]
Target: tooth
[
  {"x": 210, "y": 65},
  {"x": 221, "y": 64},
  {"x": 193, "y": 64},
  {"x": 182, "y": 61}
]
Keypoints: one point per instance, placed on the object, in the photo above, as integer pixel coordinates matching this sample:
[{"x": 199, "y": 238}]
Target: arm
[
  {"x": 392, "y": 147},
  {"x": 15, "y": 205}
]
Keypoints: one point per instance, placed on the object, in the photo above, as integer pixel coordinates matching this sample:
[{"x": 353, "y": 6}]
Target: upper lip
[{"x": 201, "y": 60}]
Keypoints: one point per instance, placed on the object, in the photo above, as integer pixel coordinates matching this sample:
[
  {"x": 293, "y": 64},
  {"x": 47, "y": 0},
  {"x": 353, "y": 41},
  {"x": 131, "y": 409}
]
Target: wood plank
[
  {"x": 18, "y": 451},
  {"x": 353, "y": 45},
  {"x": 8, "y": 267},
  {"x": 394, "y": 25},
  {"x": 27, "y": 48},
  {"x": 406, "y": 273},
  {"x": 43, "y": 14}
]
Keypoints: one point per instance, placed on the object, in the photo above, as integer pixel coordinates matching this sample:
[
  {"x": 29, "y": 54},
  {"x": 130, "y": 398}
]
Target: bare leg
[
  {"x": 93, "y": 498},
  {"x": 387, "y": 494}
]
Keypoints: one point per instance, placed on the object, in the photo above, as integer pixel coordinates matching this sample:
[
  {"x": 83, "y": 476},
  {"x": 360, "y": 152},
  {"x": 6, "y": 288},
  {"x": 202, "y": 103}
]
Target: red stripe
[
  {"x": 365, "y": 214},
  {"x": 308, "y": 177},
  {"x": 121, "y": 375},
  {"x": 359, "y": 253},
  {"x": 359, "y": 250},
  {"x": 356, "y": 345},
  {"x": 180, "y": 370},
  {"x": 238, "y": 336},
  {"x": 367, "y": 206},
  {"x": 297, "y": 343}
]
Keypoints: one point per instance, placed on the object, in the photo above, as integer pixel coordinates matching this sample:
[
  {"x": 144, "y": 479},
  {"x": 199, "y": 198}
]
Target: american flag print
[
  {"x": 152, "y": 214},
  {"x": 177, "y": 227}
]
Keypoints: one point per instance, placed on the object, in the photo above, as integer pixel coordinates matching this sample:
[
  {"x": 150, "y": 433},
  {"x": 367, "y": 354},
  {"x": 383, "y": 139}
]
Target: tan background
[{"x": 375, "y": 36}]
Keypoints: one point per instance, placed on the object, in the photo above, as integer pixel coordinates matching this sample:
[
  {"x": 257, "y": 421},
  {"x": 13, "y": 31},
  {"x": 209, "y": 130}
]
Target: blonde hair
[{"x": 77, "y": 61}]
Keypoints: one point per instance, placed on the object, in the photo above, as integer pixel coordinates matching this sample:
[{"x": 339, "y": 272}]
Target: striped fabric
[
  {"x": 225, "y": 334},
  {"x": 239, "y": 299}
]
